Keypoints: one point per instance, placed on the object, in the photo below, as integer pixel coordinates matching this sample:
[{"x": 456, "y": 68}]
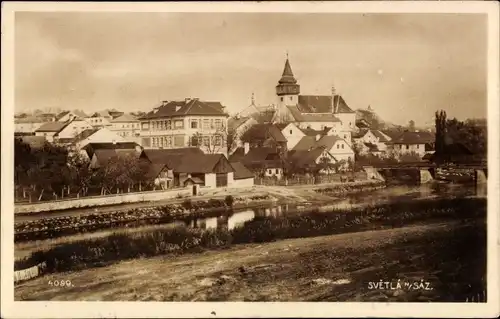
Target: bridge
[{"x": 427, "y": 170}]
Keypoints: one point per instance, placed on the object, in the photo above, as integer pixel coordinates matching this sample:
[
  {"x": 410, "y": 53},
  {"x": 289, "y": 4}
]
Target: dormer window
[{"x": 177, "y": 108}]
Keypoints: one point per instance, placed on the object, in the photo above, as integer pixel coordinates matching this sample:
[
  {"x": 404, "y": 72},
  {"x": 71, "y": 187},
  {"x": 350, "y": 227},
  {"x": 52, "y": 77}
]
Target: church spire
[
  {"x": 287, "y": 85},
  {"x": 287, "y": 76}
]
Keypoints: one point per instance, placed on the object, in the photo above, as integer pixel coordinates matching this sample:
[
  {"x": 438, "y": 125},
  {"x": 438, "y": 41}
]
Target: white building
[{"x": 127, "y": 126}]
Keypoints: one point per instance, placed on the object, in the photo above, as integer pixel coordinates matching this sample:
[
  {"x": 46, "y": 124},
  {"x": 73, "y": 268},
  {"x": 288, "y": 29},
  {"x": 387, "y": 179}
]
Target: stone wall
[{"x": 95, "y": 201}]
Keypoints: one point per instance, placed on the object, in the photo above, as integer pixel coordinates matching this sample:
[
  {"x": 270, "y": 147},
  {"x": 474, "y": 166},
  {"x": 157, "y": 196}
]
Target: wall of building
[
  {"x": 242, "y": 183},
  {"x": 401, "y": 149},
  {"x": 26, "y": 127},
  {"x": 274, "y": 172},
  {"x": 210, "y": 180},
  {"x": 230, "y": 179},
  {"x": 49, "y": 136},
  {"x": 74, "y": 128},
  {"x": 293, "y": 135},
  {"x": 104, "y": 135},
  {"x": 101, "y": 200}
]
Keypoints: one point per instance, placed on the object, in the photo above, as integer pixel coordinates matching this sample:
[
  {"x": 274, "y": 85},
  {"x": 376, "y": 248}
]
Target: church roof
[
  {"x": 322, "y": 104},
  {"x": 287, "y": 76}
]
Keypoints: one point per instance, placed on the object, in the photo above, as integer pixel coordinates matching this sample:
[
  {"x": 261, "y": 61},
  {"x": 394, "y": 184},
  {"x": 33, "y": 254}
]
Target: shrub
[{"x": 229, "y": 200}]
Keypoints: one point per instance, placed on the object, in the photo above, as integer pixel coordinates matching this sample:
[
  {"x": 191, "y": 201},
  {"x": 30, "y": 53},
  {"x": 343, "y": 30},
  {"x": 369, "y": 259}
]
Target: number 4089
[{"x": 60, "y": 283}]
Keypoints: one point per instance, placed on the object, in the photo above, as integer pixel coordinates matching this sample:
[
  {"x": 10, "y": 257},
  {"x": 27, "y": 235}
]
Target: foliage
[
  {"x": 471, "y": 133},
  {"x": 440, "y": 122},
  {"x": 229, "y": 200}
]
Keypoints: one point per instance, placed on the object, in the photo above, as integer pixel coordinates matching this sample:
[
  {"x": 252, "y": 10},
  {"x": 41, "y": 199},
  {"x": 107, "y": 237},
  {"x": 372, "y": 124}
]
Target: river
[{"x": 382, "y": 196}]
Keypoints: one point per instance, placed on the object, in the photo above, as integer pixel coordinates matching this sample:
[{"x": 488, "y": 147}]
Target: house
[
  {"x": 265, "y": 161},
  {"x": 92, "y": 148},
  {"x": 47, "y": 117},
  {"x": 308, "y": 160},
  {"x": 126, "y": 126},
  {"x": 190, "y": 166},
  {"x": 243, "y": 177},
  {"x": 102, "y": 118},
  {"x": 237, "y": 126},
  {"x": 264, "y": 135},
  {"x": 102, "y": 156},
  {"x": 65, "y": 116},
  {"x": 418, "y": 142},
  {"x": 335, "y": 146},
  {"x": 312, "y": 111},
  {"x": 27, "y": 125},
  {"x": 73, "y": 128},
  {"x": 178, "y": 124},
  {"x": 371, "y": 142},
  {"x": 50, "y": 130},
  {"x": 96, "y": 135}
]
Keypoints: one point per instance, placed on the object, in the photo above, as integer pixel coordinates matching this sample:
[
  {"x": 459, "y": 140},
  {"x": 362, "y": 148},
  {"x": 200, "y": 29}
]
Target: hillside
[{"x": 375, "y": 121}]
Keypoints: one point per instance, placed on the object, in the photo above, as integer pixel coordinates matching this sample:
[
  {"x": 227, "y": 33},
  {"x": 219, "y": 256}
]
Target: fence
[{"x": 310, "y": 180}]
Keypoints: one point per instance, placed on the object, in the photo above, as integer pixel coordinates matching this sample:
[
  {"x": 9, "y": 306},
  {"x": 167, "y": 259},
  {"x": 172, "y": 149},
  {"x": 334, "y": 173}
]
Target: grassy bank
[
  {"x": 103, "y": 251},
  {"x": 451, "y": 256}
]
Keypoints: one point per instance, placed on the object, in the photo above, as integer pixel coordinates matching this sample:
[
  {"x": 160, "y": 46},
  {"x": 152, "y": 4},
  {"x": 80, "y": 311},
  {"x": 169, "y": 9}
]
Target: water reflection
[{"x": 382, "y": 196}]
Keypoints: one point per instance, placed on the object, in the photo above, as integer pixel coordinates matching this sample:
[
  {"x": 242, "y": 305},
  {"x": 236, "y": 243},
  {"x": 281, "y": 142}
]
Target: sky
[{"x": 405, "y": 66}]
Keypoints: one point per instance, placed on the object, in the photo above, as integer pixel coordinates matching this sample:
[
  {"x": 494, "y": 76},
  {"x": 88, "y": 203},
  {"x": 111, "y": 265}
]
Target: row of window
[
  {"x": 206, "y": 140},
  {"x": 417, "y": 146},
  {"x": 204, "y": 124},
  {"x": 168, "y": 141},
  {"x": 130, "y": 125}
]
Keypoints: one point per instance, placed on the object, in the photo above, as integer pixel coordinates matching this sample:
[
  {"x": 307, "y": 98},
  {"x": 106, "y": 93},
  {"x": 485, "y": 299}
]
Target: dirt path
[{"x": 334, "y": 268}]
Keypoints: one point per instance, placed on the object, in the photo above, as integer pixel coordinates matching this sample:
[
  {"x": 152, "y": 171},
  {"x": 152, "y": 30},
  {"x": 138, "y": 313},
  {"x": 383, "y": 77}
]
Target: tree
[
  {"x": 80, "y": 172},
  {"x": 212, "y": 143},
  {"x": 440, "y": 123}
]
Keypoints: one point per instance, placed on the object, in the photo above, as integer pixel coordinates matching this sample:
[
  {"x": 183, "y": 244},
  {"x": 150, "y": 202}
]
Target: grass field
[{"x": 450, "y": 256}]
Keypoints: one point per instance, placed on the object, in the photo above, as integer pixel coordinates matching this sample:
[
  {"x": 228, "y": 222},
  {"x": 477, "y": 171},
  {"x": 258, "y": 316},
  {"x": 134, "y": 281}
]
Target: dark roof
[
  {"x": 256, "y": 157},
  {"x": 170, "y": 157},
  {"x": 33, "y": 141},
  {"x": 85, "y": 133},
  {"x": 240, "y": 171},
  {"x": 372, "y": 147},
  {"x": 414, "y": 138},
  {"x": 200, "y": 163},
  {"x": 112, "y": 146},
  {"x": 124, "y": 118},
  {"x": 264, "y": 132},
  {"x": 392, "y": 133},
  {"x": 362, "y": 123},
  {"x": 381, "y": 136},
  {"x": 234, "y": 122},
  {"x": 303, "y": 158},
  {"x": 60, "y": 115},
  {"x": 154, "y": 170},
  {"x": 287, "y": 76},
  {"x": 322, "y": 104},
  {"x": 51, "y": 127},
  {"x": 103, "y": 156},
  {"x": 265, "y": 116},
  {"x": 309, "y": 142},
  {"x": 187, "y": 107},
  {"x": 300, "y": 116}
]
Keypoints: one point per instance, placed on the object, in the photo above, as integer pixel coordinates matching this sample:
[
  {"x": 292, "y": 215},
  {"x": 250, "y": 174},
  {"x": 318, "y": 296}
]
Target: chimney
[
  {"x": 318, "y": 136},
  {"x": 247, "y": 147},
  {"x": 163, "y": 103}
]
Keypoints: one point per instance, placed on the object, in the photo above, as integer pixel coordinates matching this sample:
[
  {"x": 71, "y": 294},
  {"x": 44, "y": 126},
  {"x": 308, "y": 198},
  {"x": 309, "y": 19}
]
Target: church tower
[{"x": 287, "y": 92}]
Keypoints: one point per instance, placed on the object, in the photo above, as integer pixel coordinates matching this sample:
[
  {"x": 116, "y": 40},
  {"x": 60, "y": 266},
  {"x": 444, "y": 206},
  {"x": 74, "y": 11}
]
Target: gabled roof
[
  {"x": 302, "y": 158},
  {"x": 60, "y": 115},
  {"x": 240, "y": 171},
  {"x": 155, "y": 170},
  {"x": 322, "y": 104},
  {"x": 256, "y": 157},
  {"x": 263, "y": 132},
  {"x": 104, "y": 113},
  {"x": 103, "y": 156},
  {"x": 414, "y": 138},
  {"x": 309, "y": 142},
  {"x": 85, "y": 133},
  {"x": 124, "y": 118},
  {"x": 311, "y": 117},
  {"x": 187, "y": 107},
  {"x": 200, "y": 164},
  {"x": 234, "y": 123},
  {"x": 381, "y": 136},
  {"x": 52, "y": 127},
  {"x": 265, "y": 116},
  {"x": 360, "y": 133},
  {"x": 112, "y": 146},
  {"x": 372, "y": 147},
  {"x": 169, "y": 156}
]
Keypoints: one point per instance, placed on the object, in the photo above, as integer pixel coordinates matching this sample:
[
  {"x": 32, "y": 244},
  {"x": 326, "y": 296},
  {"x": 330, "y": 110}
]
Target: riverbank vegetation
[
  {"x": 68, "y": 225},
  {"x": 103, "y": 251}
]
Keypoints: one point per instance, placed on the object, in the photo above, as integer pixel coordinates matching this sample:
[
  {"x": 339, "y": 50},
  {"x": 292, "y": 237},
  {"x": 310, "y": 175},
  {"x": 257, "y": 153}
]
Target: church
[{"x": 317, "y": 112}]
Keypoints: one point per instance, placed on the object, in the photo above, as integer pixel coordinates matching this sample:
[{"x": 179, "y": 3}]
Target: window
[
  {"x": 291, "y": 98},
  {"x": 179, "y": 140},
  {"x": 407, "y": 146},
  {"x": 178, "y": 124},
  {"x": 154, "y": 142},
  {"x": 291, "y": 132},
  {"x": 342, "y": 146},
  {"x": 218, "y": 140},
  {"x": 194, "y": 124},
  {"x": 281, "y": 101},
  {"x": 145, "y": 126},
  {"x": 350, "y": 124},
  {"x": 194, "y": 140},
  {"x": 345, "y": 136},
  {"x": 338, "y": 146},
  {"x": 218, "y": 124},
  {"x": 162, "y": 127},
  {"x": 212, "y": 126},
  {"x": 270, "y": 171},
  {"x": 169, "y": 125},
  {"x": 168, "y": 141},
  {"x": 206, "y": 124},
  {"x": 161, "y": 141}
]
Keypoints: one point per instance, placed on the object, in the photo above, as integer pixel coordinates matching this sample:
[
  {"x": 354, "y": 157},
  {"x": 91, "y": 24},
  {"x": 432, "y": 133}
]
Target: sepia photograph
[{"x": 205, "y": 154}]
